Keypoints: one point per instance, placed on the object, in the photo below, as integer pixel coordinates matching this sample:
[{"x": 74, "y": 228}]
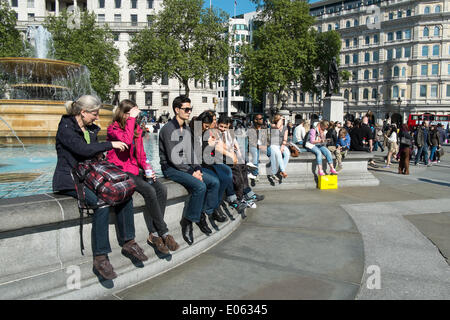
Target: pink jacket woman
[{"x": 132, "y": 158}]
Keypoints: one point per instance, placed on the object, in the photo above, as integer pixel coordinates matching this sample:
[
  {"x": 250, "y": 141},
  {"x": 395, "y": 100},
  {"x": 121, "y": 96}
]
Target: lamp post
[
  {"x": 378, "y": 104},
  {"x": 399, "y": 103}
]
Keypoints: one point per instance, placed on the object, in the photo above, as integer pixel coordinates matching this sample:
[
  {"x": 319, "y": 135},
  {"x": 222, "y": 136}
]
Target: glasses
[
  {"x": 186, "y": 109},
  {"x": 259, "y": 119}
]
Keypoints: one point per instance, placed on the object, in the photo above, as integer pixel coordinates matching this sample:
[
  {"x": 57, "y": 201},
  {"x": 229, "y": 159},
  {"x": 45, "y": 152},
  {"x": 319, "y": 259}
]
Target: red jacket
[{"x": 128, "y": 160}]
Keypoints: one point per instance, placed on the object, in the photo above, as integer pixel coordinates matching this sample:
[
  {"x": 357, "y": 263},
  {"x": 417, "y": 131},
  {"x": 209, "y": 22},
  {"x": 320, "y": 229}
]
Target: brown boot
[
  {"x": 171, "y": 243},
  {"x": 158, "y": 243},
  {"x": 131, "y": 250},
  {"x": 104, "y": 267}
]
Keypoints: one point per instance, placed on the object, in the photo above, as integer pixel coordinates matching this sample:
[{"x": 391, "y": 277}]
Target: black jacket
[{"x": 71, "y": 148}]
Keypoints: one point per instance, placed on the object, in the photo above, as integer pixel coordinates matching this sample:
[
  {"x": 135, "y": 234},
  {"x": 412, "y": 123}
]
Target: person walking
[
  {"x": 391, "y": 136},
  {"x": 133, "y": 160},
  {"x": 76, "y": 141},
  {"x": 422, "y": 141},
  {"x": 406, "y": 143},
  {"x": 435, "y": 143}
]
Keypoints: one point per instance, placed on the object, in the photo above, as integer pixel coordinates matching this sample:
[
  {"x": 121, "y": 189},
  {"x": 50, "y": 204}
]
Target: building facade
[{"x": 125, "y": 18}]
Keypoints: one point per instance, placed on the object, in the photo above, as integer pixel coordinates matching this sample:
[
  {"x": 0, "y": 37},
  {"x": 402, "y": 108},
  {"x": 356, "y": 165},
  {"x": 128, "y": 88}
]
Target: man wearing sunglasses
[{"x": 179, "y": 164}]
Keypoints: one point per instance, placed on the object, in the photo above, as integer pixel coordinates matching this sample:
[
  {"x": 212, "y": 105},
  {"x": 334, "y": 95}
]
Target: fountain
[{"x": 36, "y": 89}]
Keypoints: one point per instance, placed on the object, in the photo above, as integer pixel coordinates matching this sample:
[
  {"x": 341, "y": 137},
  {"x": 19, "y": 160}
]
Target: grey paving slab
[{"x": 436, "y": 227}]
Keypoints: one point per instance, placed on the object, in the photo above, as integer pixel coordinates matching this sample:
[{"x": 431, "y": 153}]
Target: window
[
  {"x": 436, "y": 50},
  {"x": 355, "y": 75},
  {"x": 399, "y": 14},
  {"x": 116, "y": 36},
  {"x": 390, "y": 54},
  {"x": 346, "y": 94},
  {"x": 347, "y": 59},
  {"x": 149, "y": 19},
  {"x": 398, "y": 35},
  {"x": 133, "y": 4},
  {"x": 165, "y": 79},
  {"x": 390, "y": 36},
  {"x": 347, "y": 43},
  {"x": 434, "y": 90},
  {"x": 14, "y": 3},
  {"x": 408, "y": 34},
  {"x": 425, "y": 51},
  {"x": 31, "y": 17},
  {"x": 403, "y": 72},
  {"x": 355, "y": 42},
  {"x": 117, "y": 18},
  {"x": 165, "y": 99},
  {"x": 374, "y": 93},
  {"x": 118, "y": 3},
  {"x": 375, "y": 38},
  {"x": 149, "y": 4},
  {"x": 449, "y": 69},
  {"x": 101, "y": 4},
  {"x": 132, "y": 95},
  {"x": 426, "y": 32},
  {"x": 408, "y": 13},
  {"x": 355, "y": 58},
  {"x": 376, "y": 55},
  {"x": 366, "y": 75},
  {"x": 396, "y": 71},
  {"x": 367, "y": 40},
  {"x": 30, "y": 4},
  {"x": 395, "y": 91},
  {"x": 330, "y": 27},
  {"x": 134, "y": 20},
  {"x": 437, "y": 31},
  {"x": 423, "y": 90},
  {"x": 131, "y": 77},
  {"x": 426, "y": 10},
  {"x": 448, "y": 90},
  {"x": 407, "y": 52},
  {"x": 366, "y": 94},
  {"x": 148, "y": 98},
  {"x": 347, "y": 24},
  {"x": 366, "y": 57},
  {"x": 424, "y": 70},
  {"x": 437, "y": 9},
  {"x": 356, "y": 22},
  {"x": 434, "y": 69},
  {"x": 375, "y": 73},
  {"x": 398, "y": 53},
  {"x": 101, "y": 17},
  {"x": 391, "y": 15},
  {"x": 336, "y": 26}
]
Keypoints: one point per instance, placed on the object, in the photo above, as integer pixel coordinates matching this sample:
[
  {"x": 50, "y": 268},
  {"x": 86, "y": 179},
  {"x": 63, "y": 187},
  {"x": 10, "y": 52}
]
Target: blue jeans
[
  {"x": 225, "y": 176},
  {"x": 254, "y": 151},
  {"x": 278, "y": 159},
  {"x": 433, "y": 153},
  {"x": 318, "y": 151},
  {"x": 420, "y": 150},
  {"x": 100, "y": 222},
  {"x": 376, "y": 144}
]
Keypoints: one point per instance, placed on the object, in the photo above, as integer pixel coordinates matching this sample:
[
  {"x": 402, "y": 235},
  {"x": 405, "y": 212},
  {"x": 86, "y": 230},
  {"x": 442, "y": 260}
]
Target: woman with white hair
[{"x": 76, "y": 141}]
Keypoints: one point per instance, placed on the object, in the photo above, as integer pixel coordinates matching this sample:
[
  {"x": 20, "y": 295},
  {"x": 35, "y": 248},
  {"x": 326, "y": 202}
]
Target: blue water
[{"x": 41, "y": 159}]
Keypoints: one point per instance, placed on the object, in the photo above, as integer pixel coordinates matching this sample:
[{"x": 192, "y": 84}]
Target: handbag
[
  {"x": 404, "y": 140},
  {"x": 441, "y": 152},
  {"x": 293, "y": 150}
]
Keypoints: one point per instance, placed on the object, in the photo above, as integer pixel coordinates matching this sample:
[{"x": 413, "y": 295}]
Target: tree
[
  {"x": 283, "y": 51},
  {"x": 185, "y": 42},
  {"x": 11, "y": 43},
  {"x": 89, "y": 45}
]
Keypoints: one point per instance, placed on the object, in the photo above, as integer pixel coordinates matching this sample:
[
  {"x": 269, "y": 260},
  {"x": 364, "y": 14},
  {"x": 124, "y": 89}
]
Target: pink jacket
[{"x": 128, "y": 160}]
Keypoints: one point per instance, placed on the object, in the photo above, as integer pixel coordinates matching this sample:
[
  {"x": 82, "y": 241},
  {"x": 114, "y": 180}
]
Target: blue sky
[{"x": 243, "y": 6}]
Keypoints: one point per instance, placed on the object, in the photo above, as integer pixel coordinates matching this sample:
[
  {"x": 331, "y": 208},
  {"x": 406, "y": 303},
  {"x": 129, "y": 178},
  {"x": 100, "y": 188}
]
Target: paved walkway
[{"x": 333, "y": 244}]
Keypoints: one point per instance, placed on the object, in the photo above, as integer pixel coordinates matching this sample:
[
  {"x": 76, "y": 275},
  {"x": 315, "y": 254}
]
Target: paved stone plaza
[{"x": 329, "y": 244}]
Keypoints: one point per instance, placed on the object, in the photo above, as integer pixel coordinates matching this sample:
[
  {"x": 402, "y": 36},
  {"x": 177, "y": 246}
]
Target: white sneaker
[
  {"x": 251, "y": 165},
  {"x": 251, "y": 176},
  {"x": 251, "y": 204},
  {"x": 274, "y": 177}
]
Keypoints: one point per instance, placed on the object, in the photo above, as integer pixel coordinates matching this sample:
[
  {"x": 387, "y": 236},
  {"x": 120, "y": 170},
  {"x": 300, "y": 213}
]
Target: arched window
[
  {"x": 366, "y": 94},
  {"x": 403, "y": 72},
  {"x": 329, "y": 27},
  {"x": 336, "y": 26},
  {"x": 396, "y": 71},
  {"x": 366, "y": 75},
  {"x": 437, "y": 31},
  {"x": 426, "y": 32},
  {"x": 408, "y": 13},
  {"x": 347, "y": 24},
  {"x": 356, "y": 22},
  {"x": 437, "y": 9},
  {"x": 131, "y": 77},
  {"x": 427, "y": 10},
  {"x": 425, "y": 51},
  {"x": 346, "y": 94},
  {"x": 436, "y": 50}
]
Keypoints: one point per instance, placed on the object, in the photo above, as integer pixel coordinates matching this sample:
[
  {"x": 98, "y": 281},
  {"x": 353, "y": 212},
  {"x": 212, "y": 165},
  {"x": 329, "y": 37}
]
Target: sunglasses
[
  {"x": 186, "y": 109},
  {"x": 258, "y": 118}
]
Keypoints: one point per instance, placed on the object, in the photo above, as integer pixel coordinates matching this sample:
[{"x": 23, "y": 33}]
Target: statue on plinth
[{"x": 332, "y": 78}]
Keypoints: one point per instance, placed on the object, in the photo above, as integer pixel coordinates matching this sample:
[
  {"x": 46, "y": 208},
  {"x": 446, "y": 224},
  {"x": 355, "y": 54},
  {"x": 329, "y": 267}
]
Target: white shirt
[{"x": 299, "y": 134}]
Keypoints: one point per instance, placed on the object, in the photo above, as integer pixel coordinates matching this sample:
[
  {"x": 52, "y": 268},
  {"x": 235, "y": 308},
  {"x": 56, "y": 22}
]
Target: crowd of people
[{"x": 213, "y": 159}]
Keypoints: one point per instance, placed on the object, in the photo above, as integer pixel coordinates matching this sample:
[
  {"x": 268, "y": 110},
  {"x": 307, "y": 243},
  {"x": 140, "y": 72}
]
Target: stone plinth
[{"x": 333, "y": 108}]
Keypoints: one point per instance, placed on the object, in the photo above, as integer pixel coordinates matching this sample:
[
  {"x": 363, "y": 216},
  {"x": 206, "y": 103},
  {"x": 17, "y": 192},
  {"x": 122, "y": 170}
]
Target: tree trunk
[{"x": 186, "y": 87}]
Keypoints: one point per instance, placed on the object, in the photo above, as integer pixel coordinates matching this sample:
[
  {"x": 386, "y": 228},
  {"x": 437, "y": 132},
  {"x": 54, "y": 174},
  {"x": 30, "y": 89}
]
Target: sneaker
[
  {"x": 250, "y": 204},
  {"x": 170, "y": 243},
  {"x": 255, "y": 197},
  {"x": 251, "y": 165},
  {"x": 239, "y": 206},
  {"x": 104, "y": 267},
  {"x": 158, "y": 244},
  {"x": 429, "y": 165},
  {"x": 332, "y": 171},
  {"x": 339, "y": 168},
  {"x": 251, "y": 176},
  {"x": 132, "y": 250},
  {"x": 274, "y": 177},
  {"x": 386, "y": 166},
  {"x": 321, "y": 173},
  {"x": 435, "y": 161}
]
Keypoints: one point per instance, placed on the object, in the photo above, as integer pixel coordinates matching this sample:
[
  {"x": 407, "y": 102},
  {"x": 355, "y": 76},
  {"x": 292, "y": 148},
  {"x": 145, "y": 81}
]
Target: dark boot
[
  {"x": 203, "y": 225},
  {"x": 187, "y": 231},
  {"x": 218, "y": 216}
]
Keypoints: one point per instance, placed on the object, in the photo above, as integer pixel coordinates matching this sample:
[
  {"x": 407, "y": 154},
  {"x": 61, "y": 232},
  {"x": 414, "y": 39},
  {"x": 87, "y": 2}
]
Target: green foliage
[
  {"x": 185, "y": 41},
  {"x": 328, "y": 45},
  {"x": 11, "y": 44},
  {"x": 283, "y": 52},
  {"x": 89, "y": 45}
]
